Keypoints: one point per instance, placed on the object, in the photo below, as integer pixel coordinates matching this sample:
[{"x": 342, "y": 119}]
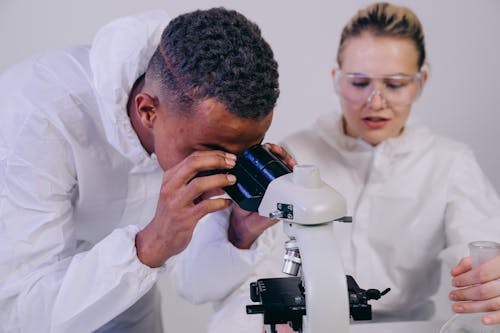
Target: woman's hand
[{"x": 479, "y": 289}]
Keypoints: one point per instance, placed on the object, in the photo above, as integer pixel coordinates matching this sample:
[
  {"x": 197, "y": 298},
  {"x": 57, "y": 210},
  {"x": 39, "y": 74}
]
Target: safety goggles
[{"x": 396, "y": 90}]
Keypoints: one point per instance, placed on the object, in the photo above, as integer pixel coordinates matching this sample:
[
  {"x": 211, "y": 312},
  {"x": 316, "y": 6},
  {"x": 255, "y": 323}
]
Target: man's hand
[
  {"x": 245, "y": 227},
  {"x": 282, "y": 154},
  {"x": 182, "y": 203},
  {"x": 480, "y": 289}
]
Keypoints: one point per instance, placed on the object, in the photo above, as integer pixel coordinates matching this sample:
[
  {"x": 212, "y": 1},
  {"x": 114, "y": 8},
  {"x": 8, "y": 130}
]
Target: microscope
[{"x": 322, "y": 299}]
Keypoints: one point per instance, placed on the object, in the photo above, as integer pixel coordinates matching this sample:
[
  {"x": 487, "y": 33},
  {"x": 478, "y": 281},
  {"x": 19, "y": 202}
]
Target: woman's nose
[{"x": 376, "y": 100}]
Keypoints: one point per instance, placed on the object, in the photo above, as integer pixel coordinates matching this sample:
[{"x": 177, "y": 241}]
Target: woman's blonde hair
[{"x": 385, "y": 20}]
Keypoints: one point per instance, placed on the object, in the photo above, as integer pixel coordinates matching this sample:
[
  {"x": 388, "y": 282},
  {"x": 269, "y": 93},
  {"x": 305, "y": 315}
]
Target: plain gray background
[{"x": 461, "y": 99}]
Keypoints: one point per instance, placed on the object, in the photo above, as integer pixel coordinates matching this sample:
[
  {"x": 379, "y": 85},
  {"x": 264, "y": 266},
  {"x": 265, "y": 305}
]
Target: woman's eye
[
  {"x": 395, "y": 84},
  {"x": 360, "y": 84}
]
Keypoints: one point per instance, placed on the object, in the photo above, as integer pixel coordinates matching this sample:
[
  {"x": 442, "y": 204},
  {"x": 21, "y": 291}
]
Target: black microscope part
[
  {"x": 255, "y": 168},
  {"x": 282, "y": 300}
]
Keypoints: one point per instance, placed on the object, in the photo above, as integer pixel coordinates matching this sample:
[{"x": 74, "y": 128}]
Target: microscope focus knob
[{"x": 307, "y": 176}]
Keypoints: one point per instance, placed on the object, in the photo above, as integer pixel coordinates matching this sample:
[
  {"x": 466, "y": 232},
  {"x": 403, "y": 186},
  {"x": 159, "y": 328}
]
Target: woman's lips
[{"x": 375, "y": 122}]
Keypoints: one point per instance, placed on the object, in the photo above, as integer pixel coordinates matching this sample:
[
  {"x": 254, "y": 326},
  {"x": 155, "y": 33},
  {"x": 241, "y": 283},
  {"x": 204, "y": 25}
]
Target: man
[{"x": 99, "y": 151}]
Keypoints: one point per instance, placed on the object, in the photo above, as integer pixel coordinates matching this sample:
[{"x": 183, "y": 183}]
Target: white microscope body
[{"x": 308, "y": 208}]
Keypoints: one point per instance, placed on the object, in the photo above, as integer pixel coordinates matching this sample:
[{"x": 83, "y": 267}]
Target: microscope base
[{"x": 283, "y": 301}]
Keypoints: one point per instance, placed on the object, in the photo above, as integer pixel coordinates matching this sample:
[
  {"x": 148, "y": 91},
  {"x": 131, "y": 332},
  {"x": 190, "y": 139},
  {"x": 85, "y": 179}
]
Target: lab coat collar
[
  {"x": 415, "y": 136},
  {"x": 119, "y": 54}
]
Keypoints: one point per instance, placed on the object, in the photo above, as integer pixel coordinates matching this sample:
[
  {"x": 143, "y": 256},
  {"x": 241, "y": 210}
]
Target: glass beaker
[{"x": 480, "y": 252}]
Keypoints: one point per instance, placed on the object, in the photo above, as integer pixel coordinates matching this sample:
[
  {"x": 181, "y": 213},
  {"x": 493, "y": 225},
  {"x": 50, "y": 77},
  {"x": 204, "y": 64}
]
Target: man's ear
[{"x": 145, "y": 106}]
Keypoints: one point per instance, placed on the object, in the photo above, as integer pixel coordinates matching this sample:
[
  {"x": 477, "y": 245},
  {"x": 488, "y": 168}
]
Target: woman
[{"x": 415, "y": 197}]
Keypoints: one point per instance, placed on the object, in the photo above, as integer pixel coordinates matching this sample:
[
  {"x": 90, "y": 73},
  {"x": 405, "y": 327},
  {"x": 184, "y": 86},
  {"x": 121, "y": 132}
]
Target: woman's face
[{"x": 378, "y": 85}]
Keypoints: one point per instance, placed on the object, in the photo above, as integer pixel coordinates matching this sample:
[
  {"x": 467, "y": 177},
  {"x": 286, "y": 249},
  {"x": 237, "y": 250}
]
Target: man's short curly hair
[{"x": 216, "y": 53}]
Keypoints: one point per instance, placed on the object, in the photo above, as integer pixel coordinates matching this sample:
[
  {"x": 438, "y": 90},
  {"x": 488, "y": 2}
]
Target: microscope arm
[
  {"x": 308, "y": 207},
  {"x": 327, "y": 302}
]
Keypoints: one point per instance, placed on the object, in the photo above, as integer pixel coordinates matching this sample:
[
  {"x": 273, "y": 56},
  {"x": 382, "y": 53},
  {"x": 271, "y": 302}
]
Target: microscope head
[
  {"x": 255, "y": 169},
  {"x": 266, "y": 185},
  {"x": 303, "y": 198}
]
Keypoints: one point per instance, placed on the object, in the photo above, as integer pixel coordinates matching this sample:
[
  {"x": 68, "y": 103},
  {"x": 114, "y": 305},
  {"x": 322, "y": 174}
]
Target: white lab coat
[
  {"x": 414, "y": 200},
  {"x": 76, "y": 186}
]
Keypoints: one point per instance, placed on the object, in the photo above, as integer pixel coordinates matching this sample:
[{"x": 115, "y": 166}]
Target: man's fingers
[
  {"x": 260, "y": 223},
  {"x": 198, "y": 162},
  {"x": 208, "y": 184},
  {"x": 212, "y": 193},
  {"x": 282, "y": 154},
  {"x": 207, "y": 206}
]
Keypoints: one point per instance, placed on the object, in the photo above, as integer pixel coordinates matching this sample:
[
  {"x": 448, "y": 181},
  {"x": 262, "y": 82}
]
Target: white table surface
[{"x": 396, "y": 327}]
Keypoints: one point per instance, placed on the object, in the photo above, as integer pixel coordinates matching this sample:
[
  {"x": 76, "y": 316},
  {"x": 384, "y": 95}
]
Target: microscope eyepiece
[{"x": 255, "y": 168}]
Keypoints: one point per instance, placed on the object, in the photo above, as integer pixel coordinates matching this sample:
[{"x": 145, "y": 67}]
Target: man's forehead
[
  {"x": 220, "y": 129},
  {"x": 233, "y": 148}
]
